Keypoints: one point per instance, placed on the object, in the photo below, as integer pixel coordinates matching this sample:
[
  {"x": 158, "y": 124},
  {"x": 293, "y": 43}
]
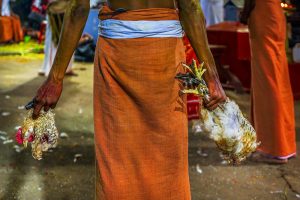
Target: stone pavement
[{"x": 60, "y": 176}]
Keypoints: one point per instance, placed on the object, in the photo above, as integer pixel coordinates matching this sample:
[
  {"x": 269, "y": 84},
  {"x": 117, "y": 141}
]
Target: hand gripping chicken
[{"x": 226, "y": 125}]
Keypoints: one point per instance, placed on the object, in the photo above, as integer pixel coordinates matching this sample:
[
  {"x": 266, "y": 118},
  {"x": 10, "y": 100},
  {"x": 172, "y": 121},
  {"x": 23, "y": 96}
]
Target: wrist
[
  {"x": 56, "y": 74},
  {"x": 55, "y": 79},
  {"x": 210, "y": 75}
]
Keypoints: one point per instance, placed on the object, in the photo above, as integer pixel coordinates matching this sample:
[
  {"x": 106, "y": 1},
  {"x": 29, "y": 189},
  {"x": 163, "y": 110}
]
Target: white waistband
[{"x": 121, "y": 29}]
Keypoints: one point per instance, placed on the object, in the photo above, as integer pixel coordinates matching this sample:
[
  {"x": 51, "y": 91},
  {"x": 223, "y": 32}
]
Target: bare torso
[{"x": 140, "y": 4}]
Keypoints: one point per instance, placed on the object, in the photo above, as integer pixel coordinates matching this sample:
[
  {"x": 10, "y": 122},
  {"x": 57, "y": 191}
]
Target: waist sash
[{"x": 123, "y": 29}]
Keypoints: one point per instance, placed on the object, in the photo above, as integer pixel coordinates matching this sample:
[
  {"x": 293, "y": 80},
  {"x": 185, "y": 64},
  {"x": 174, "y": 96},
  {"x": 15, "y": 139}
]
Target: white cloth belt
[{"x": 121, "y": 29}]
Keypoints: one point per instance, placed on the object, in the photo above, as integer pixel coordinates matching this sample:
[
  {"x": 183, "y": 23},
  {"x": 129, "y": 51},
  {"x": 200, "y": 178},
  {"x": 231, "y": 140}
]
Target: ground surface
[{"x": 58, "y": 176}]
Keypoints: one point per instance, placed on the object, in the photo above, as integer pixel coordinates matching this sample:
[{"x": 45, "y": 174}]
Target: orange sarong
[
  {"x": 272, "y": 100},
  {"x": 141, "y": 133},
  {"x": 10, "y": 29}
]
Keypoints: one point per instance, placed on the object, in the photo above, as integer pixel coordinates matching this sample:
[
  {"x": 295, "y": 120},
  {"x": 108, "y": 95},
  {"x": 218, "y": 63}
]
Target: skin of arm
[
  {"x": 74, "y": 20},
  {"x": 193, "y": 22},
  {"x": 58, "y": 6},
  {"x": 249, "y": 5}
]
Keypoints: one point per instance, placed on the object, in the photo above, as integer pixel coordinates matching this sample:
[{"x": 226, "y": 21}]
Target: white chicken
[
  {"x": 226, "y": 125},
  {"x": 41, "y": 133}
]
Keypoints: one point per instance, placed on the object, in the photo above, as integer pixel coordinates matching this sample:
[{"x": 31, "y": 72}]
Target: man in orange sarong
[
  {"x": 141, "y": 137},
  {"x": 272, "y": 99},
  {"x": 10, "y": 24}
]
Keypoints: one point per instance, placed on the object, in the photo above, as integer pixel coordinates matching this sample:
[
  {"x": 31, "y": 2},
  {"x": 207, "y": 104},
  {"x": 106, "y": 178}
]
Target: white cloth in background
[
  {"x": 94, "y": 3},
  {"x": 5, "y": 8},
  {"x": 213, "y": 11},
  {"x": 50, "y": 51},
  {"x": 37, "y": 3},
  {"x": 238, "y": 3}
]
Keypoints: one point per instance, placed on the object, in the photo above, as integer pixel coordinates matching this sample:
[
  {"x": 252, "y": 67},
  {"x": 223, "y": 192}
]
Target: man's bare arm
[
  {"x": 194, "y": 25},
  {"x": 58, "y": 6},
  {"x": 74, "y": 21}
]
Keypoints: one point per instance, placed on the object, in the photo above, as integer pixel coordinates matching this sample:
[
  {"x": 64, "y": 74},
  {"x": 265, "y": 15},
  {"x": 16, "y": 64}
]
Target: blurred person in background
[
  {"x": 232, "y": 9},
  {"x": 10, "y": 23},
  {"x": 213, "y": 11},
  {"x": 272, "y": 98},
  {"x": 54, "y": 15},
  {"x": 37, "y": 14}
]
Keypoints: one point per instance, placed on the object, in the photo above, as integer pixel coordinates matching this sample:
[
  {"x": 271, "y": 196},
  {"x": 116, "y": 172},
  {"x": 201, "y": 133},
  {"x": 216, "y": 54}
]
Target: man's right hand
[{"x": 47, "y": 96}]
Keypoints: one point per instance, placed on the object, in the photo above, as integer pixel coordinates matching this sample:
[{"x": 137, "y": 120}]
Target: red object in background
[
  {"x": 19, "y": 137},
  {"x": 235, "y": 36},
  {"x": 192, "y": 100},
  {"x": 193, "y": 104},
  {"x": 35, "y": 9},
  {"x": 294, "y": 69},
  {"x": 189, "y": 51},
  {"x": 238, "y": 55},
  {"x": 41, "y": 7},
  {"x": 41, "y": 36}
]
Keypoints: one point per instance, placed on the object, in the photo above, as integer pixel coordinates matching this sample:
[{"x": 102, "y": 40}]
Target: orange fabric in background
[
  {"x": 273, "y": 106},
  {"x": 10, "y": 29},
  {"x": 17, "y": 29},
  {"x": 140, "y": 117},
  {"x": 6, "y": 31}
]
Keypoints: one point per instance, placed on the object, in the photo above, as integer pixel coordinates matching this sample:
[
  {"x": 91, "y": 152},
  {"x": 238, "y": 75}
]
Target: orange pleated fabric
[
  {"x": 17, "y": 29},
  {"x": 140, "y": 117},
  {"x": 6, "y": 31},
  {"x": 10, "y": 29},
  {"x": 272, "y": 100}
]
